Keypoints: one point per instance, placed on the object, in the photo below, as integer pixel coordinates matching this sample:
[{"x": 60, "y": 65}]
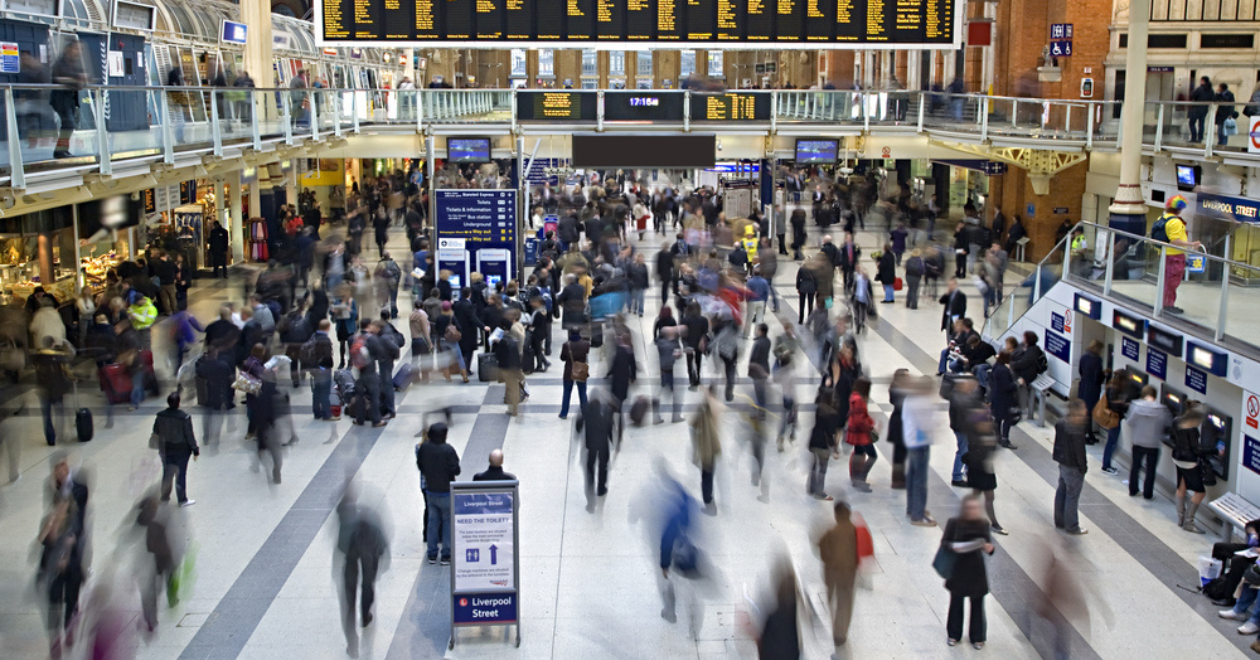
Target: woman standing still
[
  {"x": 574, "y": 354},
  {"x": 1093, "y": 376},
  {"x": 967, "y": 536},
  {"x": 1190, "y": 457},
  {"x": 1003, "y": 397}
]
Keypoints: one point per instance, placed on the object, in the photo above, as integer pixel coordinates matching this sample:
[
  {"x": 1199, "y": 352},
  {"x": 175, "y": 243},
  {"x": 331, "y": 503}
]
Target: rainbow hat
[{"x": 1176, "y": 203}]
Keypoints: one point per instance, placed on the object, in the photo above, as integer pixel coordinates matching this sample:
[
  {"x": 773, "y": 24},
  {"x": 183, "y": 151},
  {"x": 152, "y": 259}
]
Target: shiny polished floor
[{"x": 264, "y": 586}]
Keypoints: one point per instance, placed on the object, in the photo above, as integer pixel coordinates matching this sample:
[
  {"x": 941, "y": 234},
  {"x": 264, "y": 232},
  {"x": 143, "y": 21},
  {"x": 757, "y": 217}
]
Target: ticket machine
[
  {"x": 495, "y": 265},
  {"x": 1216, "y": 435}
]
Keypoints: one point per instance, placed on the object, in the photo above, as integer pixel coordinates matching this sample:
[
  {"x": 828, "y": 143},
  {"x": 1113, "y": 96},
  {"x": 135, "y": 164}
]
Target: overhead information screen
[
  {"x": 556, "y": 106},
  {"x": 643, "y": 106},
  {"x": 730, "y": 106},
  {"x": 608, "y": 23}
]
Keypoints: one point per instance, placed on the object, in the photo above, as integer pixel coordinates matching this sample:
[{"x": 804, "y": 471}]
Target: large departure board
[
  {"x": 730, "y": 106},
  {"x": 617, "y": 23}
]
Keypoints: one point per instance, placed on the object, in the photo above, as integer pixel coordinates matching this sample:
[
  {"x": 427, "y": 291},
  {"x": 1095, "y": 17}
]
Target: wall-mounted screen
[
  {"x": 817, "y": 152},
  {"x": 468, "y": 149}
]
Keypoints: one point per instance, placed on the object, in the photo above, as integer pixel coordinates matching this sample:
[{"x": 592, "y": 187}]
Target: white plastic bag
[{"x": 1209, "y": 569}]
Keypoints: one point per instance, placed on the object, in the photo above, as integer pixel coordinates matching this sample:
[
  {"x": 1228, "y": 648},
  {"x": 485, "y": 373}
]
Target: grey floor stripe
[
  {"x": 1146, "y": 548},
  {"x": 235, "y": 617},
  {"x": 425, "y": 627}
]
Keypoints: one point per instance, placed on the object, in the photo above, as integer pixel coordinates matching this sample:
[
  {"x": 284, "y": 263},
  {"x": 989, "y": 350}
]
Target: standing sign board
[
  {"x": 483, "y": 224},
  {"x": 485, "y": 575}
]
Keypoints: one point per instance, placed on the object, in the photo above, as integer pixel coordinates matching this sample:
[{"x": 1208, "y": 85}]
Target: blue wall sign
[
  {"x": 1057, "y": 321},
  {"x": 1058, "y": 346},
  {"x": 477, "y": 233},
  {"x": 1032, "y": 210},
  {"x": 483, "y": 608},
  {"x": 1196, "y": 380},
  {"x": 1234, "y": 208},
  {"x": 1156, "y": 363},
  {"x": 1251, "y": 453},
  {"x": 537, "y": 174},
  {"x": 1130, "y": 349}
]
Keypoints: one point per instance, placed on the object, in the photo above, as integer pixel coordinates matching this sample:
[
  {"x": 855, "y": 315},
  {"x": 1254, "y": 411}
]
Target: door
[{"x": 126, "y": 109}]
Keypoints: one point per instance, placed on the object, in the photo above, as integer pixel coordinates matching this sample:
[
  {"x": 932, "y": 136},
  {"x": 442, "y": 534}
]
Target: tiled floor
[{"x": 264, "y": 585}]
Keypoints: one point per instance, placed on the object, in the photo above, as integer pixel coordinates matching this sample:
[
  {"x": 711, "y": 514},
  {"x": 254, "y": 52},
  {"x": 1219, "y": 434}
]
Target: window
[
  {"x": 590, "y": 63},
  {"x": 643, "y": 64},
  {"x": 1246, "y": 41},
  {"x": 519, "y": 69},
  {"x": 547, "y": 63},
  {"x": 688, "y": 68},
  {"x": 616, "y": 63},
  {"x": 1158, "y": 40},
  {"x": 715, "y": 64},
  {"x": 590, "y": 83}
]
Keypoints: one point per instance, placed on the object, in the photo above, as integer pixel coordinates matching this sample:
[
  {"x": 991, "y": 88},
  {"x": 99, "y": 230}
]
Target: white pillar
[
  {"x": 990, "y": 51},
  {"x": 291, "y": 183},
  {"x": 235, "y": 220},
  {"x": 1129, "y": 208}
]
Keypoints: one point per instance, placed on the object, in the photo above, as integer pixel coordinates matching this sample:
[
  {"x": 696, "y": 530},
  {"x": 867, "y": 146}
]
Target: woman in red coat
[{"x": 861, "y": 428}]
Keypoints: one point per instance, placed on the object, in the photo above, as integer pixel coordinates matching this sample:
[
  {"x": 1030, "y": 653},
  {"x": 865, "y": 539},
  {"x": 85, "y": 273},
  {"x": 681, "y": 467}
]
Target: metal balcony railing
[
  {"x": 1217, "y": 296},
  {"x": 116, "y": 124}
]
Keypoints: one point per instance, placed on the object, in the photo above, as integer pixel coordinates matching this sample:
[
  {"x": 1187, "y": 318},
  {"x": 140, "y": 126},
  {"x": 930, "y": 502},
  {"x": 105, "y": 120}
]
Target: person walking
[
  {"x": 51, "y": 362},
  {"x": 706, "y": 446},
  {"x": 823, "y": 445},
  {"x": 507, "y": 353},
  {"x": 173, "y": 436},
  {"x": 217, "y": 244},
  {"x": 1224, "y": 114},
  {"x": 966, "y": 537},
  {"x": 597, "y": 422},
  {"x": 695, "y": 341},
  {"x": 68, "y": 73},
  {"x": 861, "y": 434},
  {"x": 364, "y": 549},
  {"x": 1197, "y": 113},
  {"x": 886, "y": 273},
  {"x": 668, "y": 350},
  {"x": 574, "y": 354},
  {"x": 438, "y": 463},
  {"x": 981, "y": 443},
  {"x": 915, "y": 268},
  {"x": 916, "y": 433},
  {"x": 838, "y": 548},
  {"x": 366, "y": 352},
  {"x": 637, "y": 278},
  {"x": 964, "y": 400},
  {"x": 1069, "y": 453},
  {"x": 1148, "y": 422}
]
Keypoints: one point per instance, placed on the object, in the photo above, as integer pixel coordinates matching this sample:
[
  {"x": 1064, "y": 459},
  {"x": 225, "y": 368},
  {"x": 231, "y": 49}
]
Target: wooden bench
[{"x": 1235, "y": 511}]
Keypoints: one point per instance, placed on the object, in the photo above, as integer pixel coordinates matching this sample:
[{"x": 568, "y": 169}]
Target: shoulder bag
[
  {"x": 580, "y": 371},
  {"x": 1104, "y": 416}
]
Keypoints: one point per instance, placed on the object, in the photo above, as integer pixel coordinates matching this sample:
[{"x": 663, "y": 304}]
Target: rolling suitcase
[
  {"x": 116, "y": 383},
  {"x": 405, "y": 377},
  {"x": 83, "y": 425},
  {"x": 487, "y": 367}
]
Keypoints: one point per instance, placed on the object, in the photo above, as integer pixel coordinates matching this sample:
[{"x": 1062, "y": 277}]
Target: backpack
[
  {"x": 1043, "y": 365},
  {"x": 1159, "y": 230},
  {"x": 309, "y": 353},
  {"x": 358, "y": 352}
]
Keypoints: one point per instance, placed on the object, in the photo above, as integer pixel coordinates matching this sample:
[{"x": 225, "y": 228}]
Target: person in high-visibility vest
[
  {"x": 1170, "y": 228},
  {"x": 750, "y": 245}
]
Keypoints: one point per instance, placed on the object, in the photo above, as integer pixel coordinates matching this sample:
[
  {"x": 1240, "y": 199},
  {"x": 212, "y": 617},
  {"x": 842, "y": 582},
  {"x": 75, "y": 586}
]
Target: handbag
[
  {"x": 1231, "y": 126},
  {"x": 452, "y": 334},
  {"x": 580, "y": 371},
  {"x": 943, "y": 562},
  {"x": 1104, "y": 416},
  {"x": 247, "y": 384},
  {"x": 1209, "y": 475}
]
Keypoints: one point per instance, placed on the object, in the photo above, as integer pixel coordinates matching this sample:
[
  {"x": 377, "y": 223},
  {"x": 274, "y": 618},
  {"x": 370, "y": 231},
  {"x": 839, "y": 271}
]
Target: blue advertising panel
[
  {"x": 1196, "y": 380},
  {"x": 1130, "y": 349},
  {"x": 476, "y": 232},
  {"x": 1156, "y": 363},
  {"x": 1251, "y": 453},
  {"x": 1058, "y": 346}
]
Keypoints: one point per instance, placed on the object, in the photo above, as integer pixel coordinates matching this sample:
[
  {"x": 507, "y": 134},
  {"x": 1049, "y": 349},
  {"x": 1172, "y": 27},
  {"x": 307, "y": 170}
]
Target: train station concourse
[{"x": 629, "y": 329}]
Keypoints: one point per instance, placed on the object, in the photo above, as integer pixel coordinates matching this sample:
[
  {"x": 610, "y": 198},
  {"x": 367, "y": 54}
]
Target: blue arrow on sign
[{"x": 494, "y": 555}]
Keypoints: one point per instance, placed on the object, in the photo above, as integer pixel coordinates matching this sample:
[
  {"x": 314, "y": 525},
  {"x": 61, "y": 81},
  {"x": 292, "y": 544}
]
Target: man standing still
[
  {"x": 217, "y": 243},
  {"x": 438, "y": 463},
  {"x": 317, "y": 357},
  {"x": 1170, "y": 228}
]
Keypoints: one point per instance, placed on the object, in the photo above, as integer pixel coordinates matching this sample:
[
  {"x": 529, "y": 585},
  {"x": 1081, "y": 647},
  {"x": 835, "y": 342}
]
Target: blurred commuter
[
  {"x": 917, "y": 434},
  {"x": 62, "y": 538},
  {"x": 51, "y": 363},
  {"x": 706, "y": 445},
  {"x": 860, "y": 432},
  {"x": 596, "y": 424},
  {"x": 68, "y": 73},
  {"x": 1069, "y": 453},
  {"x": 363, "y": 551}
]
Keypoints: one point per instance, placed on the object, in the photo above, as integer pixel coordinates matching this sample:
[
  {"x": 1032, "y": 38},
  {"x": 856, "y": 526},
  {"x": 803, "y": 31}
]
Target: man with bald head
[{"x": 495, "y": 471}]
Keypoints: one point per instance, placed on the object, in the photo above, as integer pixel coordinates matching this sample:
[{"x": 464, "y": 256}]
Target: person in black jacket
[
  {"x": 1003, "y": 397},
  {"x": 1069, "y": 453},
  {"x": 1201, "y": 96},
  {"x": 1093, "y": 376},
  {"x": 596, "y": 423},
  {"x": 798, "y": 233},
  {"x": 886, "y": 273},
  {"x": 1025, "y": 363},
  {"x": 369, "y": 375},
  {"x": 216, "y": 369},
  {"x": 665, "y": 272},
  {"x": 967, "y": 536},
  {"x": 438, "y": 463},
  {"x": 806, "y": 290},
  {"x": 955, "y": 303},
  {"x": 637, "y": 277},
  {"x": 759, "y": 366},
  {"x": 470, "y": 324},
  {"x": 176, "y": 444},
  {"x": 1190, "y": 457},
  {"x": 217, "y": 243},
  {"x": 694, "y": 340},
  {"x": 507, "y": 354},
  {"x": 495, "y": 472}
]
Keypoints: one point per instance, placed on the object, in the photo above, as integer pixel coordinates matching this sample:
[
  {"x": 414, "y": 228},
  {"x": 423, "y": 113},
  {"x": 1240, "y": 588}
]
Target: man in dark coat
[
  {"x": 438, "y": 463},
  {"x": 495, "y": 470},
  {"x": 597, "y": 422},
  {"x": 218, "y": 372},
  {"x": 218, "y": 242},
  {"x": 364, "y": 549},
  {"x": 1069, "y": 453},
  {"x": 176, "y": 444},
  {"x": 470, "y": 324},
  {"x": 955, "y": 303}
]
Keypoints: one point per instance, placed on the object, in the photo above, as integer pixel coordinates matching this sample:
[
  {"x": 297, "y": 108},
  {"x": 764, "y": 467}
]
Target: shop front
[
  {"x": 969, "y": 182},
  {"x": 107, "y": 236},
  {"x": 38, "y": 250}
]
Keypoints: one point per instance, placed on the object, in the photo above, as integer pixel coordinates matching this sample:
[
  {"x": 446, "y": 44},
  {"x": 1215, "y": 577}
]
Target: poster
[
  {"x": 10, "y": 62},
  {"x": 1196, "y": 379},
  {"x": 484, "y": 540},
  {"x": 117, "y": 68},
  {"x": 1156, "y": 363},
  {"x": 1129, "y": 348},
  {"x": 1058, "y": 346}
]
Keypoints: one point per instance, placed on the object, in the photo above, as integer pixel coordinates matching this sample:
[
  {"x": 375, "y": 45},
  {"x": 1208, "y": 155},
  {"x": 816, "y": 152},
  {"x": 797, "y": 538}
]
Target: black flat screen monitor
[
  {"x": 817, "y": 152},
  {"x": 468, "y": 150}
]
